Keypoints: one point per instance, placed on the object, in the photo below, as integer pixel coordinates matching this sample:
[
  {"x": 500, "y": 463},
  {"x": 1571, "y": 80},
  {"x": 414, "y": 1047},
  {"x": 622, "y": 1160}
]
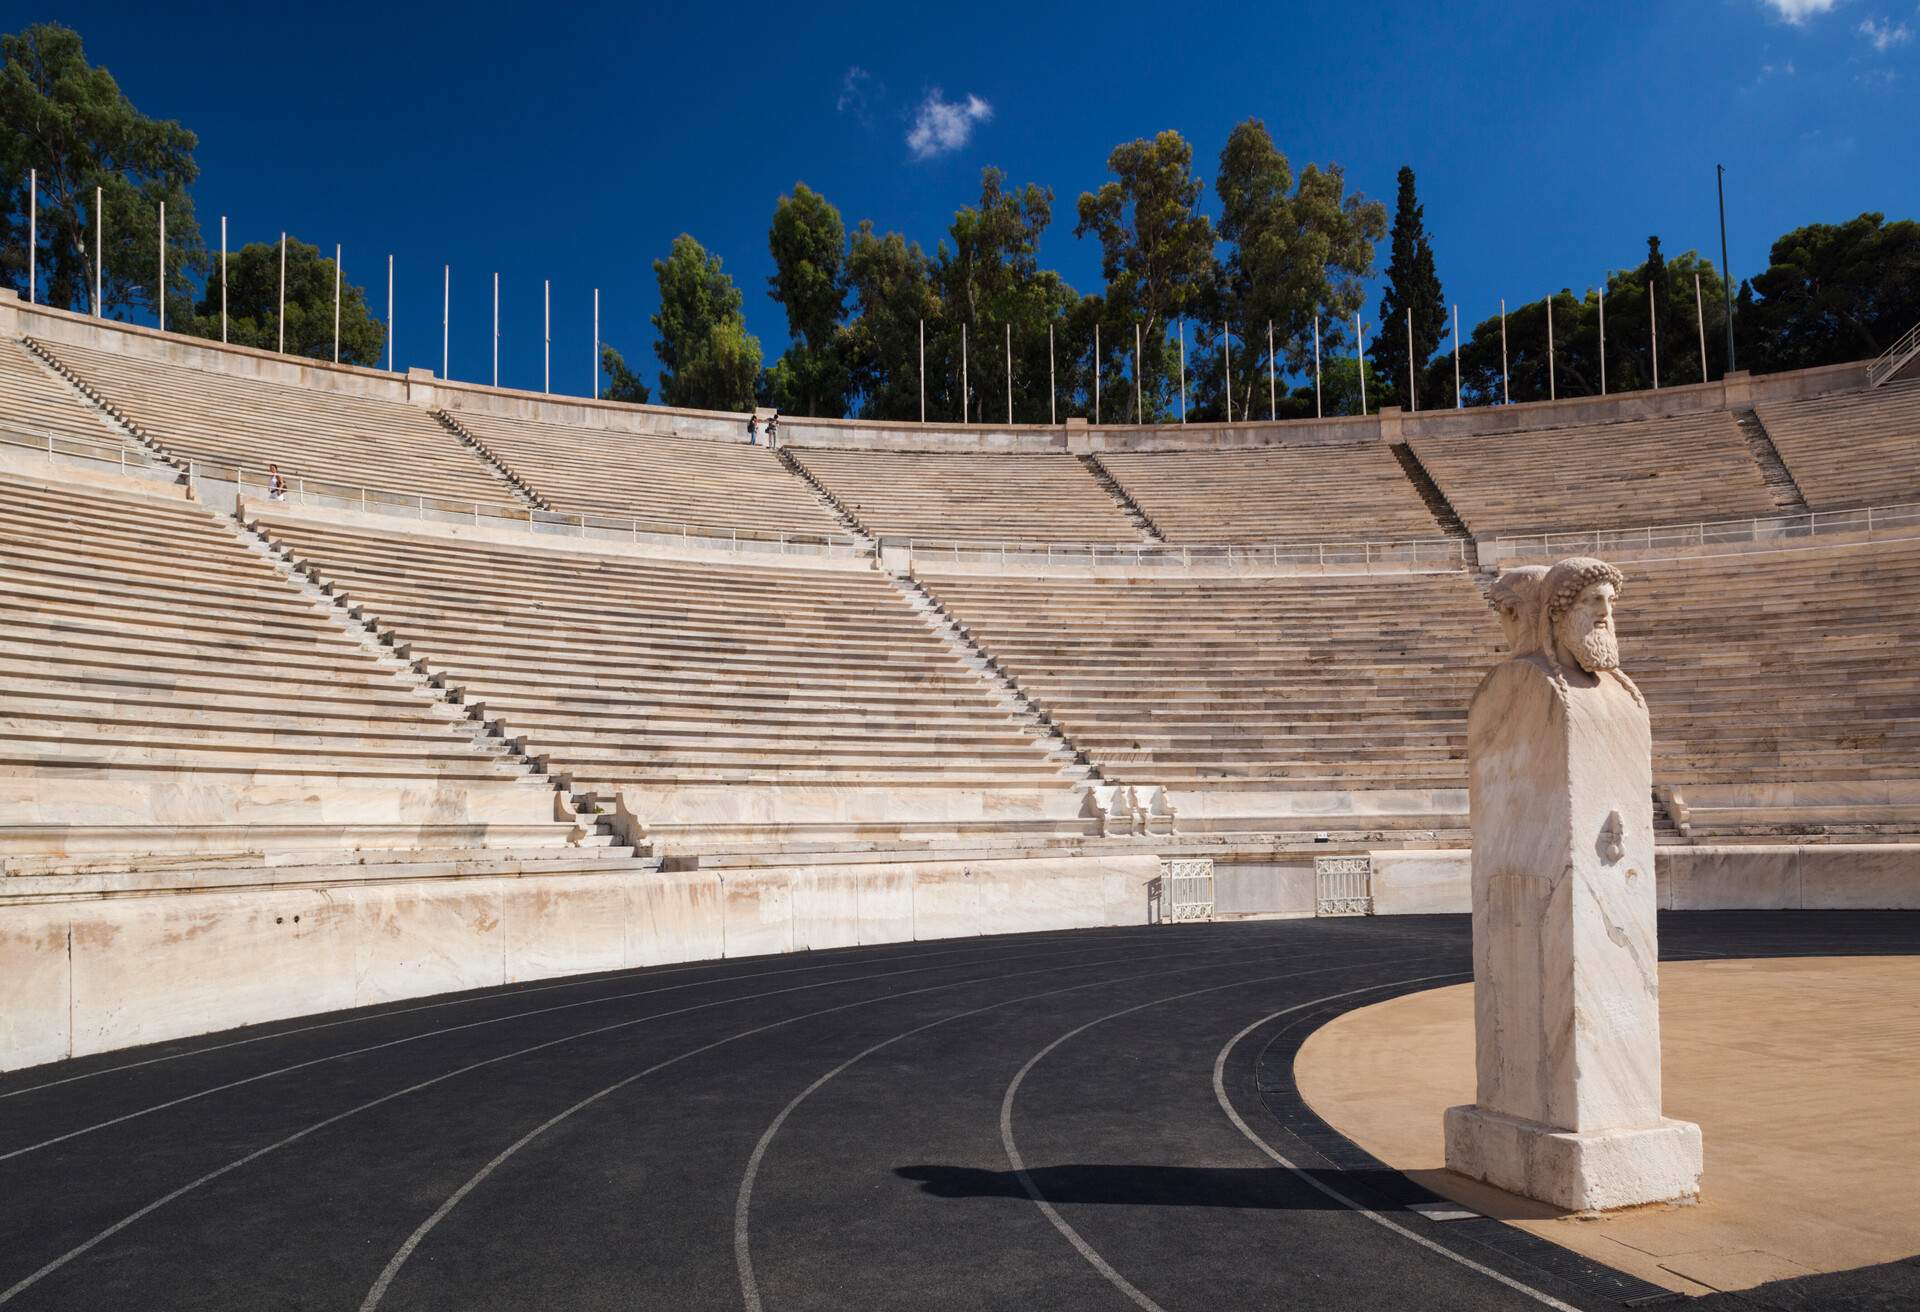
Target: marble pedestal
[{"x": 1566, "y": 982}]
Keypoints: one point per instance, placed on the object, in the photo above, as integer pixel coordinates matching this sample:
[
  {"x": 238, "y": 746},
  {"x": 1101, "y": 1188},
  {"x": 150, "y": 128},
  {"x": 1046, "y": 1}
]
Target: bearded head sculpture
[
  {"x": 1576, "y": 601},
  {"x": 1516, "y": 596}
]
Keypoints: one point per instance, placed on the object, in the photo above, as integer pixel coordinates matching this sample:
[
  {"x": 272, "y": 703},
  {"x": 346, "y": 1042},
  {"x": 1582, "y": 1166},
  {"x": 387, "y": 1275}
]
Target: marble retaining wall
[
  {"x": 1730, "y": 877},
  {"x": 88, "y": 976}
]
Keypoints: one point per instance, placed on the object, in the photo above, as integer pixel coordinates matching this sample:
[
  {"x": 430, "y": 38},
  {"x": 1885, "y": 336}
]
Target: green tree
[
  {"x": 253, "y": 305},
  {"x": 1832, "y": 292},
  {"x": 69, "y": 121},
  {"x": 1156, "y": 257},
  {"x": 1412, "y": 285},
  {"x": 1339, "y": 389},
  {"x": 1297, "y": 250},
  {"x": 990, "y": 279},
  {"x": 808, "y": 242},
  {"x": 891, "y": 282},
  {"x": 622, "y": 383},
  {"x": 709, "y": 360}
]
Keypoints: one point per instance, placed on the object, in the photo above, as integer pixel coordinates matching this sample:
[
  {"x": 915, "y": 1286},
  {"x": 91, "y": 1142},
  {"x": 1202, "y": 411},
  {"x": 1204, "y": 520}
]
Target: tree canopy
[
  {"x": 253, "y": 305},
  {"x": 709, "y": 360},
  {"x": 68, "y": 121},
  {"x": 1831, "y": 292},
  {"x": 622, "y": 383},
  {"x": 1156, "y": 256},
  {"x": 808, "y": 241},
  {"x": 1412, "y": 289}
]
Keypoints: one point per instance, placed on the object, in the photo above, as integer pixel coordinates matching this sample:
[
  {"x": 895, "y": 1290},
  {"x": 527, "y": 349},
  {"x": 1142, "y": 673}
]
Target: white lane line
[
  {"x": 469, "y": 1025},
  {"x": 1226, "y": 1105},
  {"x": 743, "y": 1202},
  {"x": 405, "y": 1251},
  {"x": 1007, "y": 1142},
  {"x": 492, "y": 995},
  {"x": 21, "y": 1286}
]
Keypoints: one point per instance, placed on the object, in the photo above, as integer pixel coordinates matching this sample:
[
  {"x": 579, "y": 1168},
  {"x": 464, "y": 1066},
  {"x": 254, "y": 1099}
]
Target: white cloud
[
  {"x": 1885, "y": 34},
  {"x": 941, "y": 125},
  {"x": 853, "y": 90},
  {"x": 1799, "y": 11}
]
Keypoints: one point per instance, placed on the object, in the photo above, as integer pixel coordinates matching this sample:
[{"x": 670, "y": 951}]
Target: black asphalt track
[{"x": 1095, "y": 1120}]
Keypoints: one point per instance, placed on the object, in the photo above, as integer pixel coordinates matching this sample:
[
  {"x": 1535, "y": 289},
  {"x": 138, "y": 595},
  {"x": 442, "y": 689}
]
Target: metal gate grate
[
  {"x": 1344, "y": 885},
  {"x": 1185, "y": 891}
]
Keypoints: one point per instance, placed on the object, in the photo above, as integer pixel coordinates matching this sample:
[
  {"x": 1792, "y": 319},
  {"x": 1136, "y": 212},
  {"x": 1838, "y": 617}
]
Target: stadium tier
[
  {"x": 337, "y": 438},
  {"x": 1301, "y": 683},
  {"x": 38, "y": 406},
  {"x": 971, "y": 498},
  {"x": 1677, "y": 470},
  {"x": 1781, "y": 692},
  {"x": 171, "y": 701},
  {"x": 663, "y": 481},
  {"x": 1344, "y": 493},
  {"x": 719, "y": 701},
  {"x": 1852, "y": 449}
]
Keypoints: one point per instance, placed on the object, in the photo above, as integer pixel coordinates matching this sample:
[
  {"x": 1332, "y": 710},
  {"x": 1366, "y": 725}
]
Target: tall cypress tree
[{"x": 1412, "y": 284}]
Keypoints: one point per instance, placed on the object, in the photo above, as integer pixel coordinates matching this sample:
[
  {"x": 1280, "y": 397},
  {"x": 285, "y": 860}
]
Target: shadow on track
[{"x": 1257, "y": 1187}]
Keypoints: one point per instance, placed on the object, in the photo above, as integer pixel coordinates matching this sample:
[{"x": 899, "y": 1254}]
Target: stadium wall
[
  {"x": 103, "y": 972},
  {"x": 421, "y": 387}
]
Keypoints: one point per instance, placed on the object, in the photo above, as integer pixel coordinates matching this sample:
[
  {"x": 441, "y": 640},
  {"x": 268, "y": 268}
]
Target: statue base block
[{"x": 1590, "y": 1171}]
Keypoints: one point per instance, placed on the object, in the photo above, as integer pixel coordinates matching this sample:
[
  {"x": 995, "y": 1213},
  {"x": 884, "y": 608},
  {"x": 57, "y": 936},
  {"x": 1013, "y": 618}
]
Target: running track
[{"x": 1096, "y": 1120}]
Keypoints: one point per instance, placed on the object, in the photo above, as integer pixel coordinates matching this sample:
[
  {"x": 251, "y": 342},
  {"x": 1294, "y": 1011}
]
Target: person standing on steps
[
  {"x": 753, "y": 429},
  {"x": 773, "y": 423},
  {"x": 276, "y": 485}
]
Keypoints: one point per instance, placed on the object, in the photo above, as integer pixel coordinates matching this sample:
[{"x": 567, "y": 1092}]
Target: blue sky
[{"x": 572, "y": 143}]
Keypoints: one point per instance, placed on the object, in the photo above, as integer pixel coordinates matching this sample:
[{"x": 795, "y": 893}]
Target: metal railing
[
  {"x": 53, "y": 444},
  {"x": 1437, "y": 554},
  {"x": 249, "y": 481},
  {"x": 1893, "y": 357},
  {"x": 1872, "y": 521}
]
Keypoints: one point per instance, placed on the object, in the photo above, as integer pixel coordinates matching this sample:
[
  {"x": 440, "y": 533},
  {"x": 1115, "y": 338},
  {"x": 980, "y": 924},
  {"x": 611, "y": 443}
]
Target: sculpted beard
[{"x": 1597, "y": 648}]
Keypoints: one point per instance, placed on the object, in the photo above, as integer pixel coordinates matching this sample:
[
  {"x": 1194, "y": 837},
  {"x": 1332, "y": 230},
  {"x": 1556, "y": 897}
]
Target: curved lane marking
[
  {"x": 21, "y": 1286},
  {"x": 1060, "y": 1223},
  {"x": 1226, "y": 1105},
  {"x": 742, "y": 1211},
  {"x": 476, "y": 1024},
  {"x": 406, "y": 1250}
]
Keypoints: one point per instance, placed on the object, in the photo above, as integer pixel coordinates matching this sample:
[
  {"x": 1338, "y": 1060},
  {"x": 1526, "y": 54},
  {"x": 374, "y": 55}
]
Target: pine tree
[{"x": 1412, "y": 284}]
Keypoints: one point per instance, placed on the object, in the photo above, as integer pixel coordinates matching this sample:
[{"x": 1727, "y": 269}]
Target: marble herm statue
[{"x": 1565, "y": 951}]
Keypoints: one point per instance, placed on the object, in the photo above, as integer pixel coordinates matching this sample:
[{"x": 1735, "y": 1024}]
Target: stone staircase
[
  {"x": 521, "y": 487},
  {"x": 848, "y": 520},
  {"x": 1073, "y": 763},
  {"x": 1785, "y": 492},
  {"x": 1137, "y": 516},
  {"x": 485, "y": 736},
  {"x": 1437, "y": 504},
  {"x": 147, "y": 443}
]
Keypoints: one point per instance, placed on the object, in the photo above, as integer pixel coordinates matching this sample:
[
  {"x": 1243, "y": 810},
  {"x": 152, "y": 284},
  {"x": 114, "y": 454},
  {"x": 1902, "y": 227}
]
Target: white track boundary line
[
  {"x": 1226, "y": 1105},
  {"x": 743, "y": 1258},
  {"x": 1007, "y": 1142},
  {"x": 405, "y": 1251},
  {"x": 21, "y": 1286}
]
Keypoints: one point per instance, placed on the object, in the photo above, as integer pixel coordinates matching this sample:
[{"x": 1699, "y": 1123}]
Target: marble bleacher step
[
  {"x": 586, "y": 848},
  {"x": 120, "y": 845},
  {"x": 1008, "y": 693},
  {"x": 778, "y": 854},
  {"x": 28, "y": 888}
]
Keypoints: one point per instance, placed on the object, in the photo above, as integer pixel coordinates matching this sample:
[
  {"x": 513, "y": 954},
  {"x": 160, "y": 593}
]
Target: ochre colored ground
[{"x": 1803, "y": 1074}]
